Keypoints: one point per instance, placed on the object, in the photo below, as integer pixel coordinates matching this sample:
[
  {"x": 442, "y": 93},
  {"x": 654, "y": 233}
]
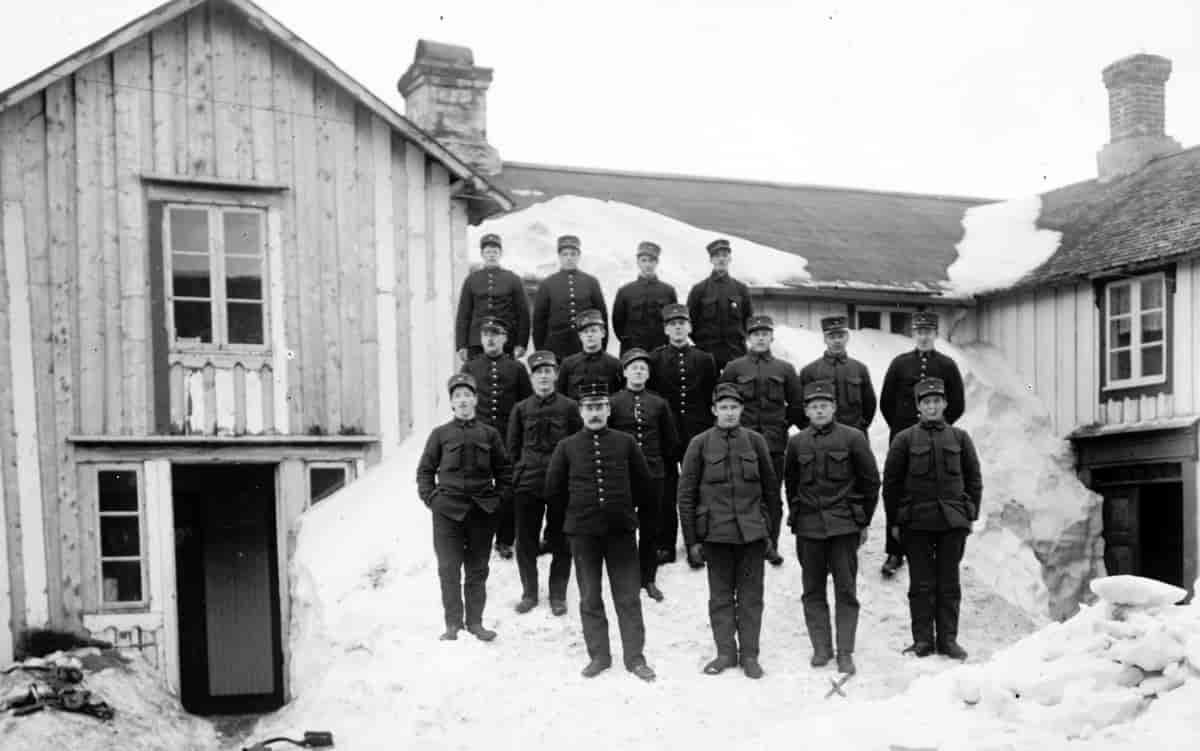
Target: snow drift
[{"x": 1001, "y": 243}]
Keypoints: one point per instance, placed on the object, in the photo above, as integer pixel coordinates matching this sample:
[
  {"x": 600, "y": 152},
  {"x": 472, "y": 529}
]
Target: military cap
[
  {"x": 760, "y": 322},
  {"x": 834, "y": 323},
  {"x": 718, "y": 245},
  {"x": 568, "y": 241},
  {"x": 633, "y": 355},
  {"x": 589, "y": 318},
  {"x": 819, "y": 390},
  {"x": 461, "y": 379},
  {"x": 675, "y": 310},
  {"x": 647, "y": 248},
  {"x": 490, "y": 238},
  {"x": 493, "y": 323},
  {"x": 542, "y": 358},
  {"x": 593, "y": 391},
  {"x": 930, "y": 387},
  {"x": 726, "y": 391},
  {"x": 925, "y": 320}
]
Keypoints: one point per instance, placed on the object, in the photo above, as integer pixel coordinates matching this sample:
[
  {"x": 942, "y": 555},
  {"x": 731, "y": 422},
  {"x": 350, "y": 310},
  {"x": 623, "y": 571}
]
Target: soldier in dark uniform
[
  {"x": 503, "y": 381},
  {"x": 932, "y": 488},
  {"x": 832, "y": 484},
  {"x": 720, "y": 308},
  {"x": 685, "y": 376},
  {"x": 596, "y": 481},
  {"x": 537, "y": 425},
  {"x": 728, "y": 494},
  {"x": 646, "y": 416},
  {"x": 900, "y": 411},
  {"x": 462, "y": 475},
  {"x": 592, "y": 364},
  {"x": 637, "y": 309},
  {"x": 851, "y": 379},
  {"x": 493, "y": 292},
  {"x": 560, "y": 298},
  {"x": 773, "y": 400}
]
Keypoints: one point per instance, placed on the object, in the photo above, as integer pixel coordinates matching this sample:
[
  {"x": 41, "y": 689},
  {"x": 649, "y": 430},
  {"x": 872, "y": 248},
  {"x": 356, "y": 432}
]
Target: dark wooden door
[{"x": 1122, "y": 534}]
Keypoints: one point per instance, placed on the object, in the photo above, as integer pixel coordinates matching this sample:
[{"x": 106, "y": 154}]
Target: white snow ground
[{"x": 1001, "y": 243}]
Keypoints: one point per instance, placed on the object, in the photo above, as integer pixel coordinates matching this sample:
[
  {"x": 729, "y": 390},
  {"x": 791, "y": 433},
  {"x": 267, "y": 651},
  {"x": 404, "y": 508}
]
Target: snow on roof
[{"x": 1001, "y": 243}]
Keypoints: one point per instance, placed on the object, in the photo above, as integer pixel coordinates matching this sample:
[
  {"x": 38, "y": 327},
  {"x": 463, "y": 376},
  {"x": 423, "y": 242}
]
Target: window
[
  {"x": 870, "y": 319},
  {"x": 121, "y": 541},
  {"x": 215, "y": 258},
  {"x": 324, "y": 480},
  {"x": 1135, "y": 331},
  {"x": 883, "y": 319}
]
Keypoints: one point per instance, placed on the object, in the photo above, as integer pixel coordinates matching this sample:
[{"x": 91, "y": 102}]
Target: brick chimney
[
  {"x": 445, "y": 94},
  {"x": 1136, "y": 115}
]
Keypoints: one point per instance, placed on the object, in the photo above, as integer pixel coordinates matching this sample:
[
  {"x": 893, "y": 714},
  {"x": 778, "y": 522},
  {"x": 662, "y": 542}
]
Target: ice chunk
[{"x": 1138, "y": 591}]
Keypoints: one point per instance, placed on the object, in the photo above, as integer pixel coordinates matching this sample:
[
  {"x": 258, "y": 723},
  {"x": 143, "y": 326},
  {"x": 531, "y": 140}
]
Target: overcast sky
[{"x": 942, "y": 96}]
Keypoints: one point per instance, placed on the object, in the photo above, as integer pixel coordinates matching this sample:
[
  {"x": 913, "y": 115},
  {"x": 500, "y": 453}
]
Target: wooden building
[{"x": 214, "y": 246}]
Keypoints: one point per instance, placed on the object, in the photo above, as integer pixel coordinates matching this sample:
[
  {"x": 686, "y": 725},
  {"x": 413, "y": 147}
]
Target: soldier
[
  {"x": 560, "y": 298},
  {"x": 637, "y": 309},
  {"x": 493, "y": 292},
  {"x": 728, "y": 494},
  {"x": 773, "y": 400},
  {"x": 900, "y": 411},
  {"x": 932, "y": 488},
  {"x": 720, "y": 308},
  {"x": 851, "y": 379},
  {"x": 685, "y": 376},
  {"x": 646, "y": 416},
  {"x": 593, "y": 364},
  {"x": 537, "y": 425},
  {"x": 596, "y": 481},
  {"x": 462, "y": 477},
  {"x": 832, "y": 484},
  {"x": 503, "y": 381}
]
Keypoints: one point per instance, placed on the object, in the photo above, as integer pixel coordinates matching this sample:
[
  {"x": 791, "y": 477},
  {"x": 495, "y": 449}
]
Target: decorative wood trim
[
  {"x": 222, "y": 440},
  {"x": 192, "y": 182}
]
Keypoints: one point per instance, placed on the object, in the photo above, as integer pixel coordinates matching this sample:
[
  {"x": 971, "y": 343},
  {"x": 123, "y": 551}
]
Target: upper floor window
[
  {"x": 215, "y": 264},
  {"x": 1135, "y": 313}
]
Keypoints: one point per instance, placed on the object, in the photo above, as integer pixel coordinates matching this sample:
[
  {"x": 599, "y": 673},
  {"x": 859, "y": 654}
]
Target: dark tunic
[
  {"x": 503, "y": 381},
  {"x": 560, "y": 297},
  {"x": 492, "y": 292},
  {"x": 595, "y": 482},
  {"x": 897, "y": 401},
  {"x": 637, "y": 313},
  {"x": 536, "y": 426},
  {"x": 720, "y": 307},
  {"x": 852, "y": 382},
  {"x": 589, "y": 367},
  {"x": 728, "y": 491},
  {"x": 647, "y": 417},
  {"x": 685, "y": 377},
  {"x": 832, "y": 481},
  {"x": 771, "y": 394},
  {"x": 932, "y": 481},
  {"x": 464, "y": 464}
]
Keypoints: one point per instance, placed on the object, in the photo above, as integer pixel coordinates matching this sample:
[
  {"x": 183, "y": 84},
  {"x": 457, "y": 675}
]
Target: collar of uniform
[
  {"x": 648, "y": 278},
  {"x": 933, "y": 424},
  {"x": 635, "y": 392},
  {"x": 839, "y": 357},
  {"x": 719, "y": 276},
  {"x": 728, "y": 433},
  {"x": 598, "y": 433},
  {"x": 919, "y": 353},
  {"x": 593, "y": 355},
  {"x": 465, "y": 423},
  {"x": 548, "y": 399},
  {"x": 684, "y": 348},
  {"x": 495, "y": 358},
  {"x": 495, "y": 268},
  {"x": 760, "y": 356},
  {"x": 825, "y": 429}
]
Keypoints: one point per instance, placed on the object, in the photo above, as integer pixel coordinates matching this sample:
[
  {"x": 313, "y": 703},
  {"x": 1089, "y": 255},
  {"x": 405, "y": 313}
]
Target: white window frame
[
  {"x": 348, "y": 467},
  {"x": 1136, "y": 345},
  {"x": 218, "y": 300},
  {"x": 143, "y": 557}
]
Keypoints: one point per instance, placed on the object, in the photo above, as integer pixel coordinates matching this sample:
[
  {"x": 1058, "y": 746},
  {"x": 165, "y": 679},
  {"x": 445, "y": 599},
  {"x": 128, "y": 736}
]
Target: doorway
[
  {"x": 227, "y": 579},
  {"x": 1144, "y": 531}
]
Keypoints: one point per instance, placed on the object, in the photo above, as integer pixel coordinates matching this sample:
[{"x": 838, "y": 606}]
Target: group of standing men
[{"x": 688, "y": 429}]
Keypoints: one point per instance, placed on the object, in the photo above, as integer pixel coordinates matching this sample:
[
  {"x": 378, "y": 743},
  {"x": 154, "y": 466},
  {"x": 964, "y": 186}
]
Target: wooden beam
[
  {"x": 386, "y": 252},
  {"x": 214, "y": 183},
  {"x": 223, "y": 454},
  {"x": 160, "y": 525},
  {"x": 280, "y": 419},
  {"x": 222, "y": 440}
]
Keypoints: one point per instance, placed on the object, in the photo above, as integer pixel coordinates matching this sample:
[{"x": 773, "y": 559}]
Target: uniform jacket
[
  {"x": 727, "y": 487},
  {"x": 646, "y": 416},
  {"x": 560, "y": 297},
  {"x": 771, "y": 394},
  {"x": 832, "y": 481},
  {"x": 492, "y": 292},
  {"x": 464, "y": 464},
  {"x": 852, "y": 384},
  {"x": 596, "y": 481},
  {"x": 719, "y": 307},
  {"x": 536, "y": 426},
  {"x": 931, "y": 480},
  {"x": 896, "y": 398},
  {"x": 685, "y": 377},
  {"x": 502, "y": 381},
  {"x": 637, "y": 313},
  {"x": 585, "y": 367}
]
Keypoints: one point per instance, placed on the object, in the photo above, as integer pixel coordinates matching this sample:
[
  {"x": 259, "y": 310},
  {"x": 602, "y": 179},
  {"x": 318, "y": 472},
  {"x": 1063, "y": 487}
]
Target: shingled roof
[{"x": 850, "y": 237}]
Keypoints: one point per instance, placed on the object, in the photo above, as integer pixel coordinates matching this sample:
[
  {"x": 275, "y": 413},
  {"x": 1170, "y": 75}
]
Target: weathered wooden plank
[
  {"x": 179, "y": 398},
  {"x": 367, "y": 378},
  {"x": 286, "y": 307},
  {"x": 325, "y": 349},
  {"x": 223, "y": 385},
  {"x": 89, "y": 549},
  {"x": 420, "y": 370},
  {"x": 290, "y": 503},
  {"x": 239, "y": 399},
  {"x": 110, "y": 268},
  {"x": 1184, "y": 339},
  {"x": 441, "y": 256},
  {"x": 197, "y": 401},
  {"x": 384, "y": 419},
  {"x": 243, "y": 110},
  {"x": 1065, "y": 368},
  {"x": 262, "y": 114},
  {"x": 201, "y": 118},
  {"x": 211, "y": 403},
  {"x": 278, "y": 312},
  {"x": 308, "y": 215},
  {"x": 168, "y": 46},
  {"x": 89, "y": 196},
  {"x": 1194, "y": 345},
  {"x": 1086, "y": 364},
  {"x": 12, "y": 587},
  {"x": 402, "y": 289},
  {"x": 1045, "y": 339},
  {"x": 226, "y": 109},
  {"x": 258, "y": 399},
  {"x": 349, "y": 269}
]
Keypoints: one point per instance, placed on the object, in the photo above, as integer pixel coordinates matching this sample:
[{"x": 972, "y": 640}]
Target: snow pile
[{"x": 1001, "y": 243}]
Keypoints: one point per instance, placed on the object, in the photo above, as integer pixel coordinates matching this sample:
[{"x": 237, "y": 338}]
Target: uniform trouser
[
  {"x": 618, "y": 553},
  {"x": 462, "y": 549},
  {"x": 735, "y": 595},
  {"x": 649, "y": 517},
  {"x": 934, "y": 592},
  {"x": 506, "y": 521},
  {"x": 668, "y": 518},
  {"x": 819, "y": 559},
  {"x": 891, "y": 546},
  {"x": 776, "y": 513},
  {"x": 530, "y": 510}
]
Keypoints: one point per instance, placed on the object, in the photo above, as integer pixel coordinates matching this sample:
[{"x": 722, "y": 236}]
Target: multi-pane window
[
  {"x": 893, "y": 321},
  {"x": 1135, "y": 331},
  {"x": 122, "y": 552},
  {"x": 216, "y": 270}
]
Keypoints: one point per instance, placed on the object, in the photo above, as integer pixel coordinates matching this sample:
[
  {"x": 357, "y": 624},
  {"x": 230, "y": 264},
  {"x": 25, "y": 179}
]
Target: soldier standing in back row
[
  {"x": 900, "y": 411},
  {"x": 562, "y": 296},
  {"x": 493, "y": 292},
  {"x": 637, "y": 309},
  {"x": 593, "y": 364},
  {"x": 720, "y": 307},
  {"x": 851, "y": 380}
]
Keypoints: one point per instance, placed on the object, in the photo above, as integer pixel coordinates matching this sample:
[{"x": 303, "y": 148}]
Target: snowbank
[{"x": 1001, "y": 243}]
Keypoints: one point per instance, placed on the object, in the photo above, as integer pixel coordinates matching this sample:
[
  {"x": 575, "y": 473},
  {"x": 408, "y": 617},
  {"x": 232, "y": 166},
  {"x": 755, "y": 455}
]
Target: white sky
[{"x": 943, "y": 96}]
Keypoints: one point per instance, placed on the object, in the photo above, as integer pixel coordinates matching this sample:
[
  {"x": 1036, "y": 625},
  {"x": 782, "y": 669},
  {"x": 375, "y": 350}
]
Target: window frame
[
  {"x": 348, "y": 470},
  {"x": 123, "y": 606},
  {"x": 885, "y": 317},
  {"x": 1136, "y": 346}
]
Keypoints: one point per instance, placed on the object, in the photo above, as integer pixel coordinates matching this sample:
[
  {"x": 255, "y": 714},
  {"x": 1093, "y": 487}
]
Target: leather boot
[
  {"x": 751, "y": 668},
  {"x": 479, "y": 632},
  {"x": 845, "y": 663},
  {"x": 597, "y": 666},
  {"x": 720, "y": 664},
  {"x": 641, "y": 670},
  {"x": 919, "y": 649},
  {"x": 952, "y": 650},
  {"x": 654, "y": 592},
  {"x": 821, "y": 657},
  {"x": 526, "y": 604},
  {"x": 891, "y": 566}
]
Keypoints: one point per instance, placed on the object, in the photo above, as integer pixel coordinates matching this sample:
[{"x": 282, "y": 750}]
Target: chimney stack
[
  {"x": 1136, "y": 115},
  {"x": 445, "y": 94}
]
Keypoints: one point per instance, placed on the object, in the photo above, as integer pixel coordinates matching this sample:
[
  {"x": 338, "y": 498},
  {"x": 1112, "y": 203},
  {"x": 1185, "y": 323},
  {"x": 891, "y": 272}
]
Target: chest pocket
[
  {"x": 952, "y": 458},
  {"x": 747, "y": 387},
  {"x": 483, "y": 455},
  {"x": 854, "y": 390},
  {"x": 710, "y": 307},
  {"x": 452, "y": 454},
  {"x": 574, "y": 381},
  {"x": 837, "y": 465},
  {"x": 807, "y": 464},
  {"x": 775, "y": 389},
  {"x": 715, "y": 468},
  {"x": 750, "y": 467},
  {"x": 920, "y": 461}
]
